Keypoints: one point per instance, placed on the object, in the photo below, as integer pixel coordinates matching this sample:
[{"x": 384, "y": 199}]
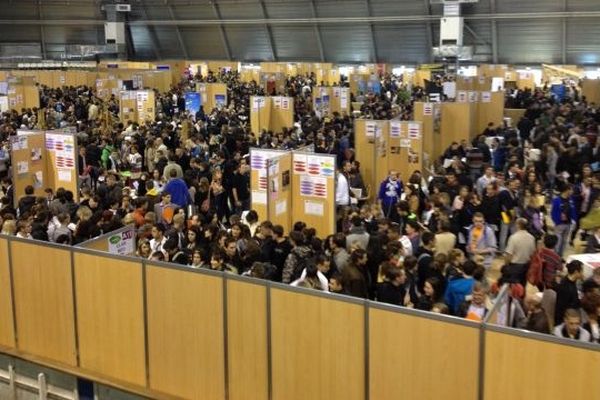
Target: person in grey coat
[{"x": 358, "y": 235}]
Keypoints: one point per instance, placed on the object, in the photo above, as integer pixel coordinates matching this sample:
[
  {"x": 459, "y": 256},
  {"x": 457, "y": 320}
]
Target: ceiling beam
[
  {"x": 373, "y": 41},
  {"x": 494, "y": 33},
  {"x": 268, "y": 30},
  {"x": 151, "y": 31},
  {"x": 42, "y": 31},
  {"x": 309, "y": 21},
  {"x": 178, "y": 32},
  {"x": 317, "y": 29},
  {"x": 224, "y": 38}
]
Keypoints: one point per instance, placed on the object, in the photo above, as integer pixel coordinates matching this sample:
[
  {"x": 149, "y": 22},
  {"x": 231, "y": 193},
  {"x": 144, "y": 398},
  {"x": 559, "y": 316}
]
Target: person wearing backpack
[{"x": 298, "y": 259}]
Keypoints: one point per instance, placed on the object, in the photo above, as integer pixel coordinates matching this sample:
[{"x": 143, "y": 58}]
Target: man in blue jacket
[
  {"x": 178, "y": 190},
  {"x": 564, "y": 215}
]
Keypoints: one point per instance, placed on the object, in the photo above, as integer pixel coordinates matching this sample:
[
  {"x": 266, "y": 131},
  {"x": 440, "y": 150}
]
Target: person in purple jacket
[{"x": 389, "y": 193}]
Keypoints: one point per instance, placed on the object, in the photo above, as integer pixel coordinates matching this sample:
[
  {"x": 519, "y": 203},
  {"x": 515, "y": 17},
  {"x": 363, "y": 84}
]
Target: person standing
[
  {"x": 342, "y": 188},
  {"x": 521, "y": 246},
  {"x": 567, "y": 295},
  {"x": 178, "y": 190},
  {"x": 563, "y": 215},
  {"x": 389, "y": 193}
]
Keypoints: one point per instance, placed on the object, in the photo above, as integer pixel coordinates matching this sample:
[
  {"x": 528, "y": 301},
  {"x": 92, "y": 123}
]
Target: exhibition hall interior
[{"x": 299, "y": 199}]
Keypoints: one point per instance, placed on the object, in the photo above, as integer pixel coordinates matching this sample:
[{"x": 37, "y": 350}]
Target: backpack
[
  {"x": 301, "y": 263},
  {"x": 536, "y": 269}
]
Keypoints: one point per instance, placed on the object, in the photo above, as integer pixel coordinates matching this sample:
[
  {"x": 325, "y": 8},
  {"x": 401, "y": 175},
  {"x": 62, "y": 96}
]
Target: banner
[{"x": 193, "y": 102}]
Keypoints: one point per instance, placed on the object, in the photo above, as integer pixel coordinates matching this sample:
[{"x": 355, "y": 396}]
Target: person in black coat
[
  {"x": 392, "y": 289},
  {"x": 567, "y": 295}
]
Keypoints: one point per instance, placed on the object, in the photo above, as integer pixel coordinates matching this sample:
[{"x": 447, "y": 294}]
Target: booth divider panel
[
  {"x": 419, "y": 358},
  {"x": 185, "y": 333},
  {"x": 247, "y": 353},
  {"x": 110, "y": 317},
  {"x": 7, "y": 330},
  {"x": 520, "y": 368},
  {"x": 318, "y": 348},
  {"x": 43, "y": 299}
]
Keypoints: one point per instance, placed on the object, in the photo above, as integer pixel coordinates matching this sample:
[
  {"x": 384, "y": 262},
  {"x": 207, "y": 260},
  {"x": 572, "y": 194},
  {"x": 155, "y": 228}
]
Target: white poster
[
  {"x": 277, "y": 102},
  {"x": 473, "y": 96},
  {"x": 257, "y": 103},
  {"x": 259, "y": 197},
  {"x": 64, "y": 175},
  {"x": 343, "y": 98},
  {"x": 22, "y": 167},
  {"x": 19, "y": 143},
  {"x": 313, "y": 208},
  {"x": 336, "y": 92},
  {"x": 370, "y": 127},
  {"x": 427, "y": 109},
  {"x": 404, "y": 142},
  {"x": 285, "y": 103},
  {"x": 281, "y": 207},
  {"x": 486, "y": 97},
  {"x": 450, "y": 89},
  {"x": 395, "y": 129},
  {"x": 122, "y": 243},
  {"x": 300, "y": 164},
  {"x": 313, "y": 186},
  {"x": 414, "y": 130},
  {"x": 461, "y": 96},
  {"x": 3, "y": 104}
]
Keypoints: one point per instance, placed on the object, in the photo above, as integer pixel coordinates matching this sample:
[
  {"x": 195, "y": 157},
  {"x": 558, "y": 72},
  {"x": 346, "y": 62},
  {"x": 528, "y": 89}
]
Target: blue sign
[
  {"x": 192, "y": 102},
  {"x": 559, "y": 91},
  {"x": 220, "y": 100}
]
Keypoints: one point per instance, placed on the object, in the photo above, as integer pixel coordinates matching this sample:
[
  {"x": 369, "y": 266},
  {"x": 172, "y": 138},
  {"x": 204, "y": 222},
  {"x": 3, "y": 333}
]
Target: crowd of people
[{"x": 509, "y": 203}]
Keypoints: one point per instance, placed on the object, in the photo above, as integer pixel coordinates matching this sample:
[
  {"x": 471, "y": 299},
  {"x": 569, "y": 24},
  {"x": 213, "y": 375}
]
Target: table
[{"x": 590, "y": 262}]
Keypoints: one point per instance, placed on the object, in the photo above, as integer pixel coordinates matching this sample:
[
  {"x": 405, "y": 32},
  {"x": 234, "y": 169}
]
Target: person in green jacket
[{"x": 106, "y": 152}]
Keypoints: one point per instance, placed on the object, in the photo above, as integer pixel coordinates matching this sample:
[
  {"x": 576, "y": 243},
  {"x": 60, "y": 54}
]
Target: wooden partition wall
[
  {"x": 318, "y": 348},
  {"x": 212, "y": 95},
  {"x": 382, "y": 146},
  {"x": 279, "y": 190},
  {"x": 590, "y": 88},
  {"x": 166, "y": 331},
  {"x": 7, "y": 328},
  {"x": 397, "y": 363},
  {"x": 458, "y": 122},
  {"x": 532, "y": 368},
  {"x": 25, "y": 170},
  {"x": 313, "y": 191},
  {"x": 429, "y": 114},
  {"x": 259, "y": 180},
  {"x": 271, "y": 113}
]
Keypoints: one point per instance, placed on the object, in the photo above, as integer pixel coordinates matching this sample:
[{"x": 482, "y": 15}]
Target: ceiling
[{"x": 350, "y": 31}]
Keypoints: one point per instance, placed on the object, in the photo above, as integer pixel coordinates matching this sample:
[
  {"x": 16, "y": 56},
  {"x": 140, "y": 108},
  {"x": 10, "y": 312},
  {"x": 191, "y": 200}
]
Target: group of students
[{"x": 428, "y": 242}]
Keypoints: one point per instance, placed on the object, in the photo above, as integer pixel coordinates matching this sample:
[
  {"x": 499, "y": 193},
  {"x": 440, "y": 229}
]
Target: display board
[
  {"x": 405, "y": 147},
  {"x": 313, "y": 189},
  {"x": 29, "y": 164},
  {"x": 490, "y": 109},
  {"x": 259, "y": 180},
  {"x": 121, "y": 241},
  {"x": 7, "y": 328},
  {"x": 22, "y": 93},
  {"x": 271, "y": 113},
  {"x": 273, "y": 82},
  {"x": 61, "y": 157},
  {"x": 372, "y": 150},
  {"x": 329, "y": 100},
  {"x": 429, "y": 114},
  {"x": 458, "y": 122},
  {"x": 107, "y": 87},
  {"x": 137, "y": 106},
  {"x": 212, "y": 95},
  {"x": 279, "y": 190}
]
